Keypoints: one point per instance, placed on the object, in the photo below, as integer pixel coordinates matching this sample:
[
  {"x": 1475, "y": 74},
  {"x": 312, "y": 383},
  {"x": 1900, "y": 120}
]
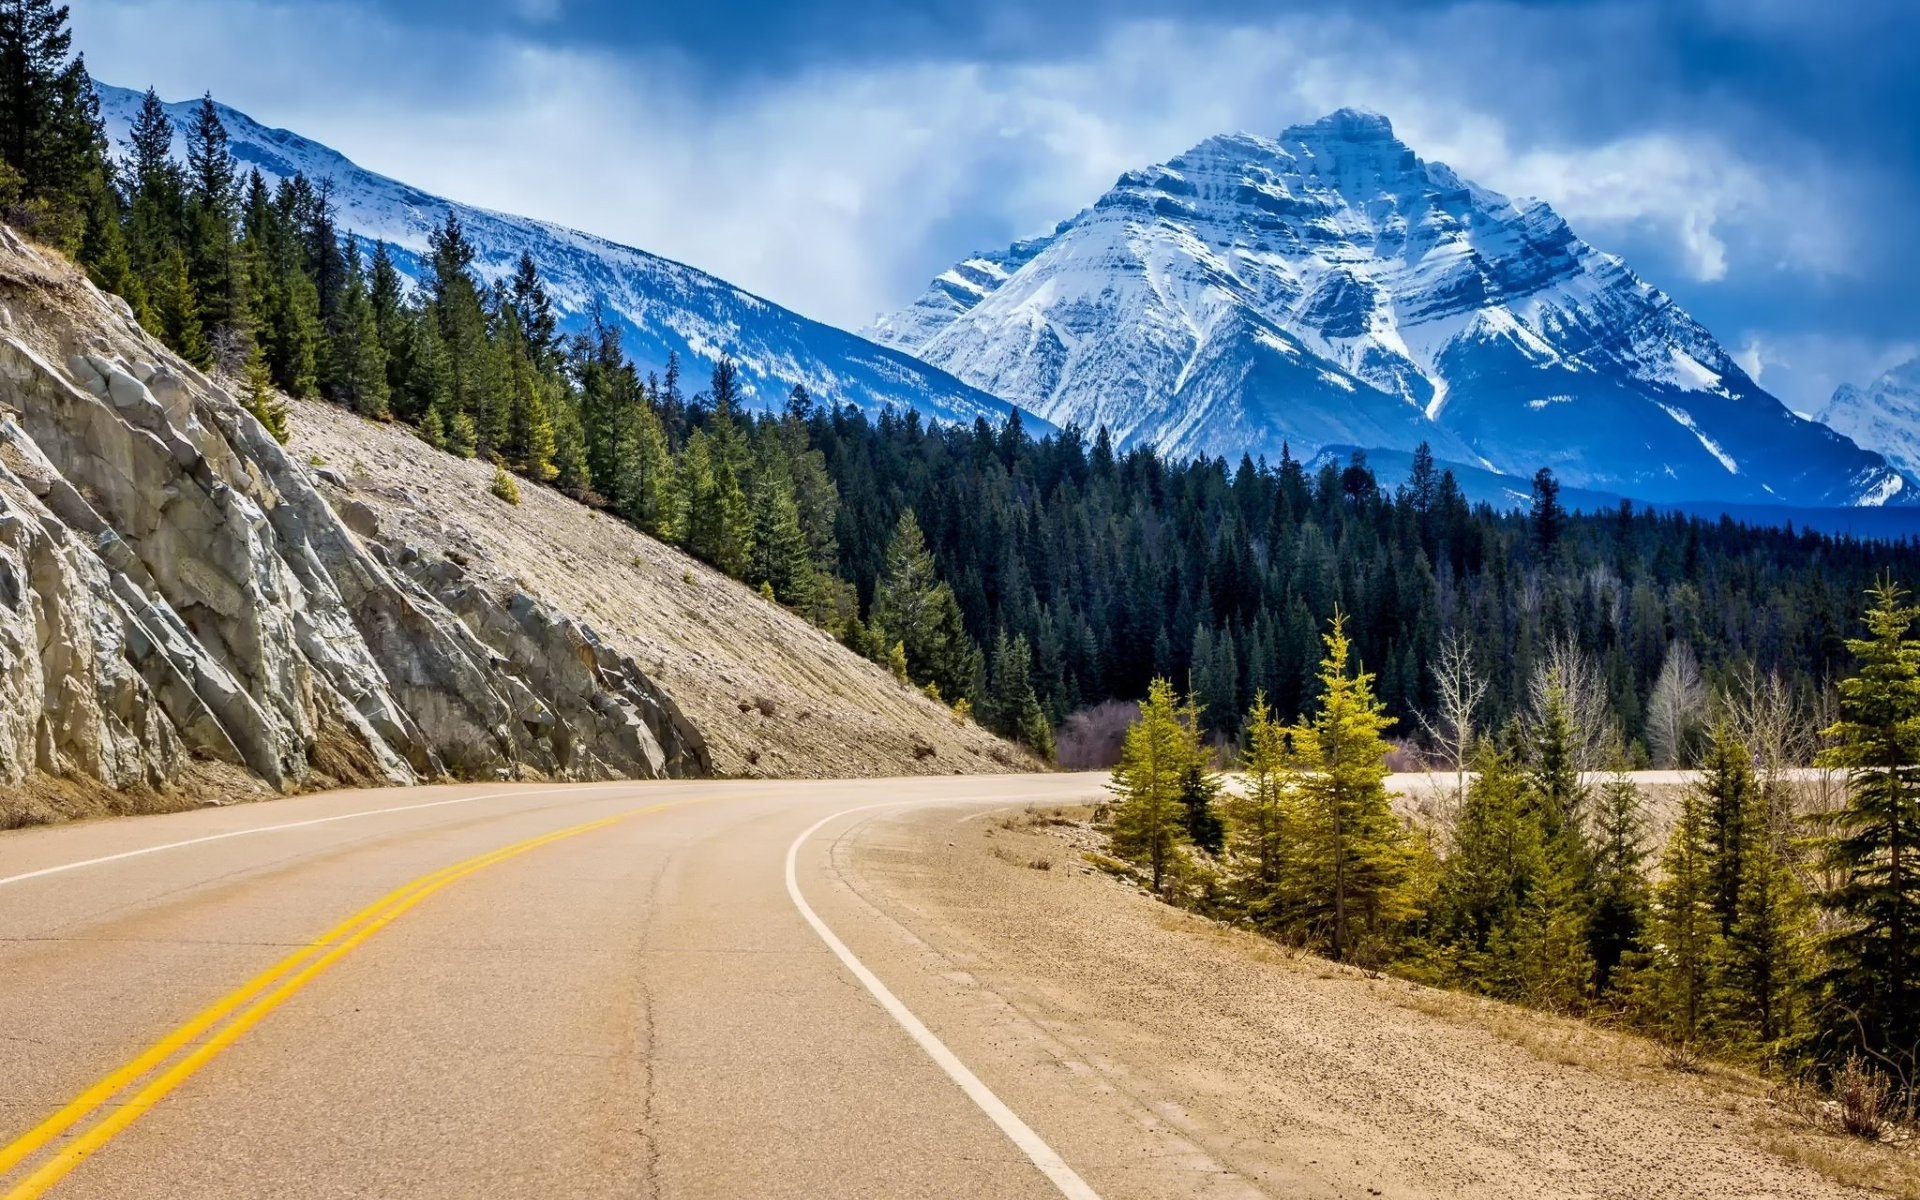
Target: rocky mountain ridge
[
  {"x": 176, "y": 592},
  {"x": 1329, "y": 286},
  {"x": 1883, "y": 416},
  {"x": 660, "y": 306}
]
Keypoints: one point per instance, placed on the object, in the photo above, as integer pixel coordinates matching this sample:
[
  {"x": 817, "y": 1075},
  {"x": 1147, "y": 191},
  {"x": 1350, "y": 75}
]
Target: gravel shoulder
[{"x": 1255, "y": 1071}]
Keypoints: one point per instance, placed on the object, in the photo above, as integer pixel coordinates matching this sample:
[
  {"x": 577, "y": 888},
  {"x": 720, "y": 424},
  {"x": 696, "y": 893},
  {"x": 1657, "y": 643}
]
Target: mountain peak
[
  {"x": 1351, "y": 124},
  {"x": 1330, "y": 287}
]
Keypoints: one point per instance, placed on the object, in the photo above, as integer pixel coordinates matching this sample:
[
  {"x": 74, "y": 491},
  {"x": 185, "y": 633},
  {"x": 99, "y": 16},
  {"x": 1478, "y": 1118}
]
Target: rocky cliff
[{"x": 183, "y": 612}]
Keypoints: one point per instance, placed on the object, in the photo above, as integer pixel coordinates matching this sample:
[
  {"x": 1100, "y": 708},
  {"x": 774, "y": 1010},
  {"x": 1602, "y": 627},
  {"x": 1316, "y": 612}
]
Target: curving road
[{"x": 592, "y": 990}]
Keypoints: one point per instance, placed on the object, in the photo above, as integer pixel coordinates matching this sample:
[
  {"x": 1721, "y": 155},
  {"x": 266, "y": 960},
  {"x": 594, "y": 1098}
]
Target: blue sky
[{"x": 1757, "y": 158}]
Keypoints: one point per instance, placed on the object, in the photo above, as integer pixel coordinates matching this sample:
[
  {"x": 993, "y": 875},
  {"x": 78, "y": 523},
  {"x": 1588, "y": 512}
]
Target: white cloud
[
  {"x": 1803, "y": 369},
  {"x": 841, "y": 190}
]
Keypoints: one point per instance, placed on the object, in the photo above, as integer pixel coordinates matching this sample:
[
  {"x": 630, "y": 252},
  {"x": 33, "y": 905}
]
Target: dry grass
[
  {"x": 1872, "y": 1166},
  {"x": 1793, "y": 1123}
]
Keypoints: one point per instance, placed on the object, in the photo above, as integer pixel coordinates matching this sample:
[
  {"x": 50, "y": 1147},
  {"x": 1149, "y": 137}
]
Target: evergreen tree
[
  {"x": 649, "y": 488},
  {"x": 387, "y": 296},
  {"x": 1508, "y": 918},
  {"x": 170, "y": 294},
  {"x": 530, "y": 441},
  {"x": 1351, "y": 843},
  {"x": 1767, "y": 946},
  {"x": 356, "y": 358},
  {"x": 1554, "y": 776},
  {"x": 913, "y": 606},
  {"x": 1013, "y": 710},
  {"x": 52, "y": 142},
  {"x": 732, "y": 546},
  {"x": 694, "y": 468},
  {"x": 780, "y": 556},
  {"x": 103, "y": 248},
  {"x": 1617, "y": 922},
  {"x": 262, "y": 400},
  {"x": 1262, "y": 821},
  {"x": 461, "y": 438},
  {"x": 1149, "y": 820},
  {"x": 428, "y": 391},
  {"x": 1728, "y": 795},
  {"x": 1685, "y": 927},
  {"x": 1549, "y": 518},
  {"x": 1870, "y": 1000},
  {"x": 534, "y": 309},
  {"x": 219, "y": 278}
]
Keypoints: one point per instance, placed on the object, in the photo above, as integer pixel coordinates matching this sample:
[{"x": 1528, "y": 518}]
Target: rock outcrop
[{"x": 175, "y": 590}]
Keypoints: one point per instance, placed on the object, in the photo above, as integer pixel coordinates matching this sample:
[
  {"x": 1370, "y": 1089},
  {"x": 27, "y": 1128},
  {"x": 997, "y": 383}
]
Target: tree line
[
  {"x": 1776, "y": 924},
  {"x": 1028, "y": 577}
]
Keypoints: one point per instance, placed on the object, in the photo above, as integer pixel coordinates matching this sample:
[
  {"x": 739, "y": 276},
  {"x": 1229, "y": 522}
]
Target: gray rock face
[{"x": 174, "y": 588}]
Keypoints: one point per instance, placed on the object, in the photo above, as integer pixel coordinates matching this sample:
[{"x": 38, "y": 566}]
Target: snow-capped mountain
[
  {"x": 1330, "y": 287},
  {"x": 661, "y": 305},
  {"x": 1883, "y": 417}
]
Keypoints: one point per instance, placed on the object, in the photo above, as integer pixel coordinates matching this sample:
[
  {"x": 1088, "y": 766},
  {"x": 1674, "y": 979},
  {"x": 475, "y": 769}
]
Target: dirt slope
[
  {"x": 771, "y": 694},
  {"x": 1259, "y": 1072}
]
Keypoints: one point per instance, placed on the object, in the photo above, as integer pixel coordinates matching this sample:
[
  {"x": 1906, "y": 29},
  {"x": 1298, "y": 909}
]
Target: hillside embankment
[{"x": 191, "y": 612}]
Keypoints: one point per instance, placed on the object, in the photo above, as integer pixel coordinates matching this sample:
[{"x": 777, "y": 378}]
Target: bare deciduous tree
[
  {"x": 1567, "y": 670},
  {"x": 1461, "y": 688},
  {"x": 1675, "y": 706}
]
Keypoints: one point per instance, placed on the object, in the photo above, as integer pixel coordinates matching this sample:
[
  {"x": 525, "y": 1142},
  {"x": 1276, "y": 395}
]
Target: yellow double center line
[{"x": 241, "y": 1010}]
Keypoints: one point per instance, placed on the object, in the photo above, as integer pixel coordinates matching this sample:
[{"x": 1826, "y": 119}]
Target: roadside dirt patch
[{"x": 1302, "y": 1077}]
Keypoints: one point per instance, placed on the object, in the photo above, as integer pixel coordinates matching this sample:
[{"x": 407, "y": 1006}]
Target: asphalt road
[{"x": 594, "y": 990}]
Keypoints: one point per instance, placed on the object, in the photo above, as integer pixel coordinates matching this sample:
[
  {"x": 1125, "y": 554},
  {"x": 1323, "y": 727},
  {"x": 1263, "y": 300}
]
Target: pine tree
[
  {"x": 534, "y": 309},
  {"x": 1870, "y": 998},
  {"x": 1262, "y": 821},
  {"x": 51, "y": 137},
  {"x": 428, "y": 388},
  {"x": 171, "y": 295},
  {"x": 1617, "y": 922},
  {"x": 1013, "y": 710},
  {"x": 1685, "y": 927},
  {"x": 1507, "y": 918},
  {"x": 262, "y": 400},
  {"x": 1149, "y": 821},
  {"x": 780, "y": 557},
  {"x": 1549, "y": 519},
  {"x": 733, "y": 520},
  {"x": 1728, "y": 795},
  {"x": 219, "y": 282},
  {"x": 1767, "y": 947},
  {"x": 1351, "y": 842},
  {"x": 461, "y": 438},
  {"x": 103, "y": 248},
  {"x": 1554, "y": 775},
  {"x": 356, "y": 358},
  {"x": 911, "y": 604},
  {"x": 650, "y": 490},
  {"x": 570, "y": 450},
  {"x": 530, "y": 441},
  {"x": 694, "y": 471}
]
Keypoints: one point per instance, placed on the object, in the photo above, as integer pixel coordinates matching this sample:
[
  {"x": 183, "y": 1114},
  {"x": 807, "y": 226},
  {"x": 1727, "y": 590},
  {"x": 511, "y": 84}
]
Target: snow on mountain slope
[
  {"x": 1329, "y": 286},
  {"x": 661, "y": 305},
  {"x": 1883, "y": 417}
]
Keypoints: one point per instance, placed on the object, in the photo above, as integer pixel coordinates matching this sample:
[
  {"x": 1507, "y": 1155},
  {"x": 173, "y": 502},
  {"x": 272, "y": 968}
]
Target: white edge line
[
  {"x": 43, "y": 872},
  {"x": 1019, "y": 1132}
]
